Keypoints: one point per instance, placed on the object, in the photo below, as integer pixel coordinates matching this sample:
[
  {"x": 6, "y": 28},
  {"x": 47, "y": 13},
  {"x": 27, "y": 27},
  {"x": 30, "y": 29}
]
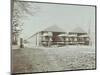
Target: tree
[{"x": 21, "y": 9}]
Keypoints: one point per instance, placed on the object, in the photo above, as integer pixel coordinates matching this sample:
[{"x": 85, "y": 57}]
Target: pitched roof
[
  {"x": 54, "y": 28},
  {"x": 78, "y": 30}
]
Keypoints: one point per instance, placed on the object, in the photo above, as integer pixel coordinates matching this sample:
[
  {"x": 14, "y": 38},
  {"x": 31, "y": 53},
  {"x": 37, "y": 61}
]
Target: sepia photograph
[{"x": 52, "y": 37}]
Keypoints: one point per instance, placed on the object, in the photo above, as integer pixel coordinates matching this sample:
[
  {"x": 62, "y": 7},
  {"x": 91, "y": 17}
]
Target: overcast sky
[{"x": 67, "y": 17}]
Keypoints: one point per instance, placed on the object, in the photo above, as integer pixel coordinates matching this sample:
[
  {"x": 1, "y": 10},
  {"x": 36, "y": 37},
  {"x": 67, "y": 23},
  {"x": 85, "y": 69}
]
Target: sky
[{"x": 67, "y": 17}]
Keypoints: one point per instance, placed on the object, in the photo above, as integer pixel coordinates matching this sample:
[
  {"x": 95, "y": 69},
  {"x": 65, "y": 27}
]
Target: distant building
[
  {"x": 50, "y": 36},
  {"x": 79, "y": 36},
  {"x": 55, "y": 36}
]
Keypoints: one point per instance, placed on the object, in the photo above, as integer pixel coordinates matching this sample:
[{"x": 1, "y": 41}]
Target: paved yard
[{"x": 43, "y": 60}]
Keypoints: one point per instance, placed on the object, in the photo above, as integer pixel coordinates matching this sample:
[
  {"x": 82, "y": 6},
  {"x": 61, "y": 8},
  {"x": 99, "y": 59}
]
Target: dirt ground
[{"x": 44, "y": 59}]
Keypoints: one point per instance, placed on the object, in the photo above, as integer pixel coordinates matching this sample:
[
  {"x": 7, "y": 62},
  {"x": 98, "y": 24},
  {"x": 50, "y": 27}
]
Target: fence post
[{"x": 21, "y": 43}]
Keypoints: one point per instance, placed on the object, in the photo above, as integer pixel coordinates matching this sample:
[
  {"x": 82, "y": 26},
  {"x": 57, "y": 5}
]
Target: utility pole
[{"x": 89, "y": 32}]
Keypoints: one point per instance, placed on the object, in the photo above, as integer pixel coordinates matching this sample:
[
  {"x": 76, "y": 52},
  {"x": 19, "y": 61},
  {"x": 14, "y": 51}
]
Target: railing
[{"x": 65, "y": 42}]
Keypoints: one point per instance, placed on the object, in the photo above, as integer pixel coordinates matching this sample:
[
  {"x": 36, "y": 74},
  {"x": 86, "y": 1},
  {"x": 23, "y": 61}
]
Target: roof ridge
[{"x": 54, "y": 28}]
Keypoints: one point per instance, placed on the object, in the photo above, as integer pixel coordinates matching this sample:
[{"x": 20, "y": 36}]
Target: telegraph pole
[{"x": 89, "y": 32}]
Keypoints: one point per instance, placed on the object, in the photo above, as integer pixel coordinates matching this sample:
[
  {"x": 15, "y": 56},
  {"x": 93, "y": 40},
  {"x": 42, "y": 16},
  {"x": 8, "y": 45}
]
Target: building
[
  {"x": 55, "y": 36},
  {"x": 50, "y": 36},
  {"x": 79, "y": 37}
]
